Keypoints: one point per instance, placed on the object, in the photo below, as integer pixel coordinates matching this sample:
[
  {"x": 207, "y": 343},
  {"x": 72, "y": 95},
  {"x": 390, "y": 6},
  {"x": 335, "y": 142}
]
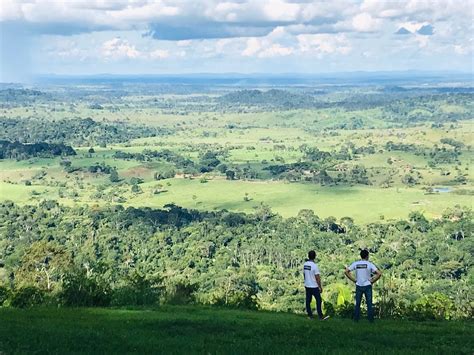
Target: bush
[
  {"x": 82, "y": 290},
  {"x": 138, "y": 291},
  {"x": 328, "y": 309},
  {"x": 346, "y": 310},
  {"x": 181, "y": 293},
  {"x": 26, "y": 297},
  {"x": 4, "y": 294},
  {"x": 434, "y": 306}
]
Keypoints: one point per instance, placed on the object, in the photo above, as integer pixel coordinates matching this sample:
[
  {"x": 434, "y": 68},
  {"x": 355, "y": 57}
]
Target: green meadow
[
  {"x": 253, "y": 139},
  {"x": 201, "y": 330},
  {"x": 364, "y": 204},
  {"x": 257, "y": 148}
]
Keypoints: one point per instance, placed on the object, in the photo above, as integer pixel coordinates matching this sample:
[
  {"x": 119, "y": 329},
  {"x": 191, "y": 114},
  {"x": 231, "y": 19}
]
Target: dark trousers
[
  {"x": 310, "y": 293},
  {"x": 367, "y": 291}
]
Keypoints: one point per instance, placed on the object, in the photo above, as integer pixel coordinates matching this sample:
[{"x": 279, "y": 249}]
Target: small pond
[{"x": 442, "y": 189}]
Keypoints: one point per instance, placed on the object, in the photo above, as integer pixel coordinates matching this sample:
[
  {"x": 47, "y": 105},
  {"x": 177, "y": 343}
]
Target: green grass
[
  {"x": 188, "y": 329},
  {"x": 364, "y": 204},
  {"x": 208, "y": 131}
]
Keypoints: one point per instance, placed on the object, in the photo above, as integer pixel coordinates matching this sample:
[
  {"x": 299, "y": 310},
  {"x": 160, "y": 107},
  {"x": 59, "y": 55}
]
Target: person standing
[
  {"x": 312, "y": 284},
  {"x": 366, "y": 275}
]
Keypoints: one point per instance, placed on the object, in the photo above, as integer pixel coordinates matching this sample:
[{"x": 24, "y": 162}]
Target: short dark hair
[
  {"x": 364, "y": 253},
  {"x": 311, "y": 255}
]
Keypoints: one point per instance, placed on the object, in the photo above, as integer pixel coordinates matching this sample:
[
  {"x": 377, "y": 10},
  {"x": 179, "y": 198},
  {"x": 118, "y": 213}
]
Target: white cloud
[
  {"x": 278, "y": 43},
  {"x": 10, "y": 10},
  {"x": 364, "y": 22},
  {"x": 278, "y": 10},
  {"x": 118, "y": 48},
  {"x": 323, "y": 44},
  {"x": 159, "y": 54},
  {"x": 221, "y": 34},
  {"x": 254, "y": 45},
  {"x": 462, "y": 50},
  {"x": 184, "y": 43},
  {"x": 275, "y": 50}
]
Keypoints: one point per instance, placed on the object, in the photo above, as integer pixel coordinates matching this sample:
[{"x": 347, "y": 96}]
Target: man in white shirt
[
  {"x": 312, "y": 284},
  {"x": 366, "y": 275}
]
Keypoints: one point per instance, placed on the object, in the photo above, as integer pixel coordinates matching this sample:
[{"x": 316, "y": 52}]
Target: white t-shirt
[
  {"x": 364, "y": 270},
  {"x": 310, "y": 270}
]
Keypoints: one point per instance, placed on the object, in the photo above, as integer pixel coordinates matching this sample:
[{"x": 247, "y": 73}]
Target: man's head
[
  {"x": 364, "y": 254},
  {"x": 311, "y": 255}
]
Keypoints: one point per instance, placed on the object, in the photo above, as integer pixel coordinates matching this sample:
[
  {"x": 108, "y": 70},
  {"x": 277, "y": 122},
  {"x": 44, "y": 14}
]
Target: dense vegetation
[
  {"x": 92, "y": 177},
  {"x": 77, "y": 132},
  {"x": 91, "y": 256},
  {"x": 272, "y": 99},
  {"x": 19, "y": 151}
]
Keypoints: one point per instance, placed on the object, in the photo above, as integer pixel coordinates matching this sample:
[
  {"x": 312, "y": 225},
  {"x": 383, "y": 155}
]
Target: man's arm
[
  {"x": 348, "y": 274},
  {"x": 318, "y": 280},
  {"x": 377, "y": 276}
]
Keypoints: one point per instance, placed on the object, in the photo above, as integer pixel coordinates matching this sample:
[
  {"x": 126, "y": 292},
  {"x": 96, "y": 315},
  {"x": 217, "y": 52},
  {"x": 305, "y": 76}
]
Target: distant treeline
[
  {"x": 404, "y": 106},
  {"x": 274, "y": 98},
  {"x": 75, "y": 132},
  {"x": 20, "y": 151},
  {"x": 14, "y": 97}
]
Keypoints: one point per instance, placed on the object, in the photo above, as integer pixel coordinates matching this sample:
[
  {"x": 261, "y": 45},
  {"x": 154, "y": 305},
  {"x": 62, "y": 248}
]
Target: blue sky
[{"x": 78, "y": 37}]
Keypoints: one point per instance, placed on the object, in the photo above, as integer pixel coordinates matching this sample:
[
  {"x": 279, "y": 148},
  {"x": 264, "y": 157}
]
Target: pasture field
[
  {"x": 257, "y": 148},
  {"x": 364, "y": 204},
  {"x": 399, "y": 162},
  {"x": 190, "y": 329}
]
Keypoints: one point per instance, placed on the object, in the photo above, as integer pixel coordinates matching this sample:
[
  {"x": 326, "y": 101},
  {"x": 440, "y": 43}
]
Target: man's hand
[
  {"x": 377, "y": 276},
  {"x": 318, "y": 280},
  {"x": 349, "y": 275}
]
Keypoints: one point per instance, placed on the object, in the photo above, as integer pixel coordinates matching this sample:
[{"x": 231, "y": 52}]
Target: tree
[
  {"x": 208, "y": 161},
  {"x": 409, "y": 180},
  {"x": 230, "y": 174},
  {"x": 263, "y": 212},
  {"x": 136, "y": 189},
  {"x": 114, "y": 176},
  {"x": 347, "y": 222},
  {"x": 43, "y": 265}
]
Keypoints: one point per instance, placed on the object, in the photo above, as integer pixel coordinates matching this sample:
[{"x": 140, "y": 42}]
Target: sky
[{"x": 82, "y": 37}]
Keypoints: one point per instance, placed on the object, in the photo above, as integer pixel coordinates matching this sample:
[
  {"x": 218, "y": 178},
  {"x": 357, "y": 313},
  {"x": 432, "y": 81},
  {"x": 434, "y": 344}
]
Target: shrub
[
  {"x": 138, "y": 291},
  {"x": 82, "y": 290},
  {"x": 328, "y": 308},
  {"x": 181, "y": 293},
  {"x": 345, "y": 310},
  {"x": 4, "y": 294},
  {"x": 434, "y": 306},
  {"x": 27, "y": 296}
]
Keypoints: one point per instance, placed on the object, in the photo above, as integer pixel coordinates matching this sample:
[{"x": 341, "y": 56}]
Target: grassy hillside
[{"x": 217, "y": 331}]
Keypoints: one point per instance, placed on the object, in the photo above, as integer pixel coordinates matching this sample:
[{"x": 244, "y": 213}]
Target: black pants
[
  {"x": 367, "y": 291},
  {"x": 310, "y": 292}
]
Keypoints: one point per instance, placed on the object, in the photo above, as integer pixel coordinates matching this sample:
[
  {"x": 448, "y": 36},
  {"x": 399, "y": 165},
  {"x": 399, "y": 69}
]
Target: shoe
[
  {"x": 325, "y": 318},
  {"x": 310, "y": 318}
]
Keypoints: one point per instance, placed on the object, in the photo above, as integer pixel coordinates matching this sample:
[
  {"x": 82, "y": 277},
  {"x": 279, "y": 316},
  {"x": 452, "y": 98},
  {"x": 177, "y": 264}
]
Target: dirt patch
[{"x": 138, "y": 171}]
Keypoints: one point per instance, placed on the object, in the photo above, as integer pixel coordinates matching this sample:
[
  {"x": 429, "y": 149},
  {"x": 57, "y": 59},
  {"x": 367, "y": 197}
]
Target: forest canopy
[{"x": 234, "y": 259}]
